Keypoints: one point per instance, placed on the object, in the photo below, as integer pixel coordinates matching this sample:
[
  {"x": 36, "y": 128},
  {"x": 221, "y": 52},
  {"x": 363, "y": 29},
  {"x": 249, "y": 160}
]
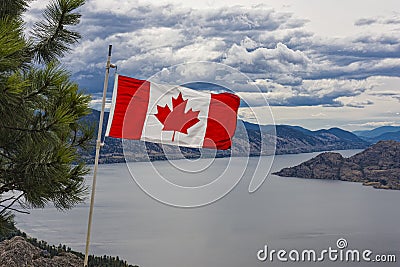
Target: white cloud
[
  {"x": 97, "y": 102},
  {"x": 325, "y": 92},
  {"x": 280, "y": 55},
  {"x": 320, "y": 114},
  {"x": 260, "y": 41},
  {"x": 375, "y": 124},
  {"x": 261, "y": 60},
  {"x": 393, "y": 19}
]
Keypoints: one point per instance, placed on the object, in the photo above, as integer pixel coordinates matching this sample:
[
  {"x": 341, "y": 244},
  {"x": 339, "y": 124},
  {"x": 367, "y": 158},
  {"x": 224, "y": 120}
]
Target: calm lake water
[{"x": 285, "y": 213}]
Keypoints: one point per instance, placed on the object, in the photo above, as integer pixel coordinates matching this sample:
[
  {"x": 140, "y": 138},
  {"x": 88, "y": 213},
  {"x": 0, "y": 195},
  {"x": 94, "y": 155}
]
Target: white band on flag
[{"x": 112, "y": 108}]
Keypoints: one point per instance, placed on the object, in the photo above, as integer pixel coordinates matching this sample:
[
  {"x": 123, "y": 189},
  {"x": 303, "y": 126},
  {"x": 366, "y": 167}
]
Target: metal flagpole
[{"x": 96, "y": 160}]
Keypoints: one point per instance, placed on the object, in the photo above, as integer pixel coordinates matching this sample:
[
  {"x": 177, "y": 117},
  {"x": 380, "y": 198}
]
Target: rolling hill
[
  {"x": 380, "y": 134},
  {"x": 377, "y": 131}
]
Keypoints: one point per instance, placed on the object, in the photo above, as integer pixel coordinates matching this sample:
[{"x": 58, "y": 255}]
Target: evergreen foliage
[{"x": 41, "y": 134}]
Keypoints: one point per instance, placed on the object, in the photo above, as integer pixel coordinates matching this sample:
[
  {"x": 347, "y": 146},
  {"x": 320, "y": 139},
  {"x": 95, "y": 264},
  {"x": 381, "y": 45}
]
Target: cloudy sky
[{"x": 320, "y": 64}]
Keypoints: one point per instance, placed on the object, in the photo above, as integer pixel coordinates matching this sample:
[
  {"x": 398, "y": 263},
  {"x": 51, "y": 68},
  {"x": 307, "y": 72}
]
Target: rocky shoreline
[
  {"x": 377, "y": 166},
  {"x": 20, "y": 250}
]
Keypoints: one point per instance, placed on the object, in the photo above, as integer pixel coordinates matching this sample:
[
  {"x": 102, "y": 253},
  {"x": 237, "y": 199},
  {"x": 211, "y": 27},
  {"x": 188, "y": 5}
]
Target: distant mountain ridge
[
  {"x": 247, "y": 141},
  {"x": 395, "y": 136},
  {"x": 377, "y": 131},
  {"x": 377, "y": 166},
  {"x": 380, "y": 134},
  {"x": 296, "y": 139}
]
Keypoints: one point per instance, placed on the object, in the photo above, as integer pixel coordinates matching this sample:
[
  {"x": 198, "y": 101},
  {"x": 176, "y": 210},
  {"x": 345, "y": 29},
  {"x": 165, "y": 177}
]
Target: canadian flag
[{"x": 174, "y": 115}]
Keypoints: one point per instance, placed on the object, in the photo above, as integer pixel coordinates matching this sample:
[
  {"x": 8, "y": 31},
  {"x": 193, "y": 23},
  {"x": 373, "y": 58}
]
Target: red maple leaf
[{"x": 177, "y": 120}]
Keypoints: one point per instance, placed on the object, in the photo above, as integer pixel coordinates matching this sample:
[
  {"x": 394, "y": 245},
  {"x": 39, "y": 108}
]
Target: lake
[{"x": 285, "y": 213}]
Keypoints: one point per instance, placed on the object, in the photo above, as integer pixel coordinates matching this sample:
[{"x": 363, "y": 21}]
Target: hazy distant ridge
[
  {"x": 247, "y": 140},
  {"x": 380, "y": 134}
]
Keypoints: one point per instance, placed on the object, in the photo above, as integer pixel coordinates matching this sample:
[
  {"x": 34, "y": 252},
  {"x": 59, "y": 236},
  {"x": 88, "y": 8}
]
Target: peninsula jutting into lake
[{"x": 377, "y": 166}]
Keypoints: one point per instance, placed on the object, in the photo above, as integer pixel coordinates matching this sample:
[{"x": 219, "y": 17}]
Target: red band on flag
[
  {"x": 130, "y": 108},
  {"x": 221, "y": 122}
]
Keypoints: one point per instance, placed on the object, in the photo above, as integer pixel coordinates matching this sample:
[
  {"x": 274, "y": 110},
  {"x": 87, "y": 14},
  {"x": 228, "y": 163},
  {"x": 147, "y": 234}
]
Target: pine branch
[
  {"x": 12, "y": 45},
  {"x": 8, "y": 207},
  {"x": 13, "y": 209},
  {"x": 5, "y": 155},
  {"x": 8, "y": 187},
  {"x": 40, "y": 110},
  {"x": 52, "y": 38},
  {"x": 13, "y": 8},
  {"x": 36, "y": 92},
  {"x": 6, "y": 199}
]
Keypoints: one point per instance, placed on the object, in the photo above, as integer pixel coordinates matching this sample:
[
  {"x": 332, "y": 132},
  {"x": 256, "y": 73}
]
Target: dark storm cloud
[
  {"x": 365, "y": 21},
  {"x": 260, "y": 42}
]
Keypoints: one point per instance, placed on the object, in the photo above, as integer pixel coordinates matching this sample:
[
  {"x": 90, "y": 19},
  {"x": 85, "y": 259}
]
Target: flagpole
[{"x": 96, "y": 159}]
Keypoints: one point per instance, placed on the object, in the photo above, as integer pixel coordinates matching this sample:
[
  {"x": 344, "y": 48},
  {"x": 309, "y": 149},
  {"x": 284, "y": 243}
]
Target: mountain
[
  {"x": 395, "y": 136},
  {"x": 377, "y": 131},
  {"x": 380, "y": 134},
  {"x": 378, "y": 166},
  {"x": 342, "y": 134},
  {"x": 296, "y": 139},
  {"x": 247, "y": 141}
]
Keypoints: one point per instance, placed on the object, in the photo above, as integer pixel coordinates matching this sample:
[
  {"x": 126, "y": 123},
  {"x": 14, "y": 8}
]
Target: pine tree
[{"x": 41, "y": 133}]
